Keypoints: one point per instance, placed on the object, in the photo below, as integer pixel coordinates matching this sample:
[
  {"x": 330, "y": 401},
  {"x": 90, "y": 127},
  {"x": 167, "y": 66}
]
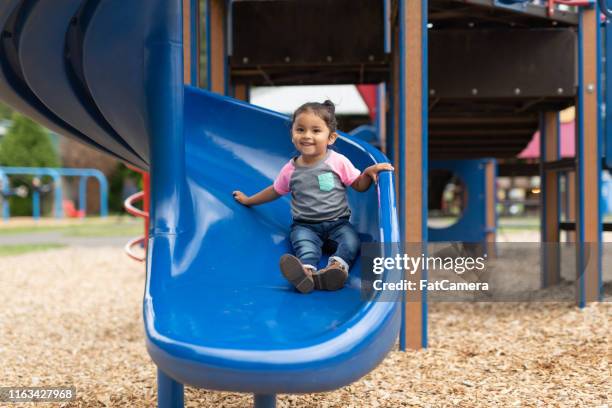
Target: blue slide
[{"x": 217, "y": 312}]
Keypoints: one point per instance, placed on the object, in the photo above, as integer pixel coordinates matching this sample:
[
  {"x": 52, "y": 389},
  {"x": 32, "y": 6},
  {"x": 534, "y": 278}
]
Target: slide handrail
[
  {"x": 128, "y": 249},
  {"x": 128, "y": 204}
]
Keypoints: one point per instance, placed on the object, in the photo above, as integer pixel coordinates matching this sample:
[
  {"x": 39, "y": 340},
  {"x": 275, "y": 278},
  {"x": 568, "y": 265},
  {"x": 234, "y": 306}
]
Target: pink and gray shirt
[{"x": 318, "y": 192}]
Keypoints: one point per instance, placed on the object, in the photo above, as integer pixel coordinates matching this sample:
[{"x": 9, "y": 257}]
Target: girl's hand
[
  {"x": 241, "y": 197},
  {"x": 373, "y": 171}
]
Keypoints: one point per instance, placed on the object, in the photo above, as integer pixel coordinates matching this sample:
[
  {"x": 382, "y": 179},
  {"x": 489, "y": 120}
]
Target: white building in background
[{"x": 286, "y": 99}]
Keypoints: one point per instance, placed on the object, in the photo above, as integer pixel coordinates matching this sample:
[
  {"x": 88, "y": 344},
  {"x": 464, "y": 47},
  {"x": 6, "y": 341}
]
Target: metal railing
[{"x": 144, "y": 213}]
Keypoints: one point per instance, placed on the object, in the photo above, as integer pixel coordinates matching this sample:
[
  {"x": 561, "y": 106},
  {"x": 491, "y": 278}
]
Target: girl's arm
[
  {"x": 266, "y": 195},
  {"x": 363, "y": 182}
]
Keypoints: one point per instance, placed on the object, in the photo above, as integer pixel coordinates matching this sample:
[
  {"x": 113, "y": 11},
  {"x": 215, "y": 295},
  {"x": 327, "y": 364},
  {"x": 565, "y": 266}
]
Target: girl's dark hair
[{"x": 325, "y": 110}]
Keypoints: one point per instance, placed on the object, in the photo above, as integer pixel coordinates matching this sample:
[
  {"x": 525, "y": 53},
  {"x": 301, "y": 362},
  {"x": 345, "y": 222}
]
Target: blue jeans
[{"x": 339, "y": 236}]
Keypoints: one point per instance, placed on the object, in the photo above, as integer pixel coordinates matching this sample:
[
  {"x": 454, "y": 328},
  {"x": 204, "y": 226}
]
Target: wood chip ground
[{"x": 73, "y": 317}]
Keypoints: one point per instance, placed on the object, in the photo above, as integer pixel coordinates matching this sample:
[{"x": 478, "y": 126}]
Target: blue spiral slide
[{"x": 217, "y": 312}]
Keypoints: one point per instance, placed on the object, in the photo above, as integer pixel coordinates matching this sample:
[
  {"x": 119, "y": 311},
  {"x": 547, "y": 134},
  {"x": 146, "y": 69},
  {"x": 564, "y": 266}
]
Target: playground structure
[
  {"x": 56, "y": 174},
  {"x": 198, "y": 146},
  {"x": 463, "y": 81},
  {"x": 477, "y": 223}
]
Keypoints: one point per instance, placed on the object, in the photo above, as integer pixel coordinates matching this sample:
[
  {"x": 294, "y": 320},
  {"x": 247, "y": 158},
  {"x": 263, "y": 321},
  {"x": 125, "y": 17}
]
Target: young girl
[{"x": 317, "y": 179}]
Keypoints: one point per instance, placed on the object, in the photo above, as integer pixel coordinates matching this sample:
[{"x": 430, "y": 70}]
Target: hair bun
[{"x": 330, "y": 106}]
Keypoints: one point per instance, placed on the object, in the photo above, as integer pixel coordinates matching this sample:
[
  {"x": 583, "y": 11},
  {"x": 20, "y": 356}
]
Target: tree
[
  {"x": 26, "y": 144},
  {"x": 5, "y": 111}
]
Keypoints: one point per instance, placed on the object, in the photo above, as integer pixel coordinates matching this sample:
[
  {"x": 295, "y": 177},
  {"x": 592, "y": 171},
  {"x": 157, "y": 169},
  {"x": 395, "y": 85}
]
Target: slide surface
[
  {"x": 218, "y": 305},
  {"x": 217, "y": 312}
]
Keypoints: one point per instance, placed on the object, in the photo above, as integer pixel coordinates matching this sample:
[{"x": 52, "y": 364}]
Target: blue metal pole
[
  {"x": 608, "y": 92},
  {"x": 194, "y": 30},
  {"x": 600, "y": 150},
  {"x": 208, "y": 42},
  {"x": 265, "y": 401},
  {"x": 36, "y": 205},
  {"x": 6, "y": 212},
  {"x": 425, "y": 157},
  {"x": 387, "y": 24},
  {"x": 579, "y": 222},
  {"x": 169, "y": 392},
  {"x": 83, "y": 194},
  {"x": 390, "y": 151},
  {"x": 496, "y": 216},
  {"x": 103, "y": 195},
  {"x": 380, "y": 98},
  {"x": 402, "y": 140},
  {"x": 57, "y": 188},
  {"x": 227, "y": 22}
]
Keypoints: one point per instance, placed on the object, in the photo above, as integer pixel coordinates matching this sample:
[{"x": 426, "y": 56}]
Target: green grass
[
  {"x": 18, "y": 249},
  {"x": 529, "y": 223},
  {"x": 518, "y": 227},
  {"x": 87, "y": 229}
]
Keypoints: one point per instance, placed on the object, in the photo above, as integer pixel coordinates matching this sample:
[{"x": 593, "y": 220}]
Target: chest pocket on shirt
[{"x": 326, "y": 181}]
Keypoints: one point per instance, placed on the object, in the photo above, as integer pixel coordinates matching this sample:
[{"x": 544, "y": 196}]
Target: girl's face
[{"x": 310, "y": 135}]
